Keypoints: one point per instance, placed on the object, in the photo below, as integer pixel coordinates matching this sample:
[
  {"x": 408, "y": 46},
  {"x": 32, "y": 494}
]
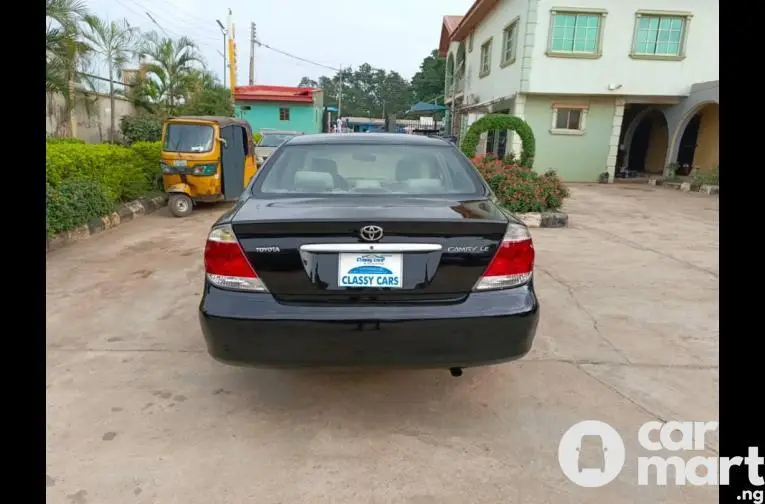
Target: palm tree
[
  {"x": 64, "y": 52},
  {"x": 171, "y": 66},
  {"x": 115, "y": 42}
]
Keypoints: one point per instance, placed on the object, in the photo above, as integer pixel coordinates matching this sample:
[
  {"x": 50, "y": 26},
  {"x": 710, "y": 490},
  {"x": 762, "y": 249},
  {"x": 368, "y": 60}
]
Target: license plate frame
[{"x": 372, "y": 270}]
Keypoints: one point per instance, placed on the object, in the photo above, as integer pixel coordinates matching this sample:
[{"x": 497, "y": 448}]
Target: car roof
[
  {"x": 364, "y": 139},
  {"x": 279, "y": 132},
  {"x": 221, "y": 120}
]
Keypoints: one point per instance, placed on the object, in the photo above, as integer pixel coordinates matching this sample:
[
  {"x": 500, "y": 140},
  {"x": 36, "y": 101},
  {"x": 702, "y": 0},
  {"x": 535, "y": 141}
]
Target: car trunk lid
[{"x": 311, "y": 250}]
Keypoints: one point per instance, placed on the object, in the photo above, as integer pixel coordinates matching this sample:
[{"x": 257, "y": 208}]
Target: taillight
[
  {"x": 226, "y": 265},
  {"x": 513, "y": 262}
]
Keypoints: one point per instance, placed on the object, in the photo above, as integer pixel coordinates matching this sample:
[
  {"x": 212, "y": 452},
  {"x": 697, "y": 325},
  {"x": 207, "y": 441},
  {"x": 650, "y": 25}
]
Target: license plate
[
  {"x": 370, "y": 270},
  {"x": 179, "y": 162}
]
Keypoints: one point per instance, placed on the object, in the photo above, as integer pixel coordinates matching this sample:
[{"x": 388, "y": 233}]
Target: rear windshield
[
  {"x": 368, "y": 169},
  {"x": 274, "y": 140},
  {"x": 189, "y": 138}
]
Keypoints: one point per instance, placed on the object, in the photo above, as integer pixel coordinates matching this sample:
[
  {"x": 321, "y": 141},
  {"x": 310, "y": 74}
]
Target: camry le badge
[{"x": 371, "y": 233}]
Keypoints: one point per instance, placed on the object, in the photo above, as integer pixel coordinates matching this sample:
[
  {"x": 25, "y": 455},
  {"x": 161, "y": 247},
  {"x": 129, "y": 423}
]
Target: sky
[{"x": 389, "y": 34}]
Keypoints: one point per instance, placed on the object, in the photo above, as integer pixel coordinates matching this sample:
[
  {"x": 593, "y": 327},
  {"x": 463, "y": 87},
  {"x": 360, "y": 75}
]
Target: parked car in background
[{"x": 271, "y": 139}]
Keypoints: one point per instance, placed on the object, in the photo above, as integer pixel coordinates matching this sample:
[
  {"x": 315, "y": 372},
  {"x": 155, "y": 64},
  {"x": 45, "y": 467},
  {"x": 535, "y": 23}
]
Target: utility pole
[
  {"x": 225, "y": 43},
  {"x": 340, "y": 95},
  {"x": 253, "y": 38}
]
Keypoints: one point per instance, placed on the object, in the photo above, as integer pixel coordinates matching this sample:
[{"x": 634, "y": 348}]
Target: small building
[{"x": 280, "y": 107}]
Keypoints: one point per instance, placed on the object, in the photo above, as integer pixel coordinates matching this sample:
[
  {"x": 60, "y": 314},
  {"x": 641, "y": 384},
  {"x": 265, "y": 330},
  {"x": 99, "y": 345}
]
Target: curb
[
  {"x": 124, "y": 213},
  {"x": 544, "y": 219},
  {"x": 686, "y": 186}
]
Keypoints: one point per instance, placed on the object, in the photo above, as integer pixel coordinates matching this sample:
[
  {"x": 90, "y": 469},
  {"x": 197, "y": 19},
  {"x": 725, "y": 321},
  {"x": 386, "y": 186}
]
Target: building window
[
  {"x": 509, "y": 41},
  {"x": 568, "y": 119},
  {"x": 576, "y": 34},
  {"x": 660, "y": 35},
  {"x": 284, "y": 114},
  {"x": 485, "y": 68},
  {"x": 470, "y": 42}
]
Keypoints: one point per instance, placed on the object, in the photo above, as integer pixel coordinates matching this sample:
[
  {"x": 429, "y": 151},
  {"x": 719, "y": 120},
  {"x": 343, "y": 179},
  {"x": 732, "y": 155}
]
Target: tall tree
[
  {"x": 206, "y": 96},
  {"x": 428, "y": 83},
  {"x": 171, "y": 67},
  {"x": 308, "y": 82},
  {"x": 115, "y": 42},
  {"x": 64, "y": 52},
  {"x": 367, "y": 92}
]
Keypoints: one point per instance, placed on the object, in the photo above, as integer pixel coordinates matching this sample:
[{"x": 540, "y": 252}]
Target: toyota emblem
[{"x": 371, "y": 233}]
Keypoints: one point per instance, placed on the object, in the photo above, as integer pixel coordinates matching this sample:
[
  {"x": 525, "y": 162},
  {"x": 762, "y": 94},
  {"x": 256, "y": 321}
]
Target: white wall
[
  {"x": 501, "y": 81},
  {"x": 638, "y": 77},
  {"x": 93, "y": 121}
]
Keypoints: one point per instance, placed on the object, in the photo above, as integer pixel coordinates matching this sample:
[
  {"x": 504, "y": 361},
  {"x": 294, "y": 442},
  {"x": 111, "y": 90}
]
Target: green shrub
[
  {"x": 501, "y": 122},
  {"x": 143, "y": 128},
  {"x": 711, "y": 177},
  {"x": 150, "y": 153},
  {"x": 73, "y": 204},
  {"x": 118, "y": 170},
  {"x": 520, "y": 189},
  {"x": 64, "y": 140}
]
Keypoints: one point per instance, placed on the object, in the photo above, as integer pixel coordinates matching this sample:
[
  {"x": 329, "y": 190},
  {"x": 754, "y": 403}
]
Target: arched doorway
[
  {"x": 648, "y": 146},
  {"x": 699, "y": 143}
]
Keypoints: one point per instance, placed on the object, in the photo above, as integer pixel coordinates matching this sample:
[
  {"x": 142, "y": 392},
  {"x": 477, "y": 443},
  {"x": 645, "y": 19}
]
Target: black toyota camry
[{"x": 368, "y": 250}]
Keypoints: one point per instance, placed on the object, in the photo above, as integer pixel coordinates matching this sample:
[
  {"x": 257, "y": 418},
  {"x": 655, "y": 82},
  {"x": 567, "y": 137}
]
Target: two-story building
[
  {"x": 606, "y": 86},
  {"x": 280, "y": 108}
]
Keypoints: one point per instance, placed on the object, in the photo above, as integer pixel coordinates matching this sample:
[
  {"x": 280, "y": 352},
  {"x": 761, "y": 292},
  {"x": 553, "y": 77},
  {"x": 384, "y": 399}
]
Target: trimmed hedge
[
  {"x": 64, "y": 140},
  {"x": 150, "y": 152},
  {"x": 143, "y": 128},
  {"x": 520, "y": 189},
  {"x": 501, "y": 122},
  {"x": 87, "y": 180},
  {"x": 72, "y": 204}
]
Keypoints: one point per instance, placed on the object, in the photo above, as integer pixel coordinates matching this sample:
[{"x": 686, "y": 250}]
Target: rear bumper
[{"x": 254, "y": 329}]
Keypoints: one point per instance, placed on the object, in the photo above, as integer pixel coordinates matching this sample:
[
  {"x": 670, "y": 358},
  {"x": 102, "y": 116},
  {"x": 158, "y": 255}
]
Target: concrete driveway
[{"x": 138, "y": 412}]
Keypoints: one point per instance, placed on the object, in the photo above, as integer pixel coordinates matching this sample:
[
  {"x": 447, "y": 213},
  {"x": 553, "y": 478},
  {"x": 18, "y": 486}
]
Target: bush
[
  {"x": 150, "y": 153},
  {"x": 143, "y": 128},
  {"x": 64, "y": 140},
  {"x": 501, "y": 122},
  {"x": 711, "y": 177},
  {"x": 520, "y": 189},
  {"x": 119, "y": 171},
  {"x": 73, "y": 204}
]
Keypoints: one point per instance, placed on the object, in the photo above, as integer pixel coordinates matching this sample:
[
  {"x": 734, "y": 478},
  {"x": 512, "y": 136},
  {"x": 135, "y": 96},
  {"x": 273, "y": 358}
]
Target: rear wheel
[{"x": 180, "y": 205}]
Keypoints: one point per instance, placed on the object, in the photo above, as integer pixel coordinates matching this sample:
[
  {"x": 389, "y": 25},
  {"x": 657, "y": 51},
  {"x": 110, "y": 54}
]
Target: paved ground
[{"x": 138, "y": 412}]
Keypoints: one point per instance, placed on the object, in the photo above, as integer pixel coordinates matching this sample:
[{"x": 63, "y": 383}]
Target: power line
[
  {"x": 177, "y": 29},
  {"x": 189, "y": 18},
  {"x": 167, "y": 30},
  {"x": 299, "y": 58}
]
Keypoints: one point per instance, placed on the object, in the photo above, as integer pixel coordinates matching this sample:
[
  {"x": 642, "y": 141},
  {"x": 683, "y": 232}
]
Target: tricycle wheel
[{"x": 180, "y": 205}]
